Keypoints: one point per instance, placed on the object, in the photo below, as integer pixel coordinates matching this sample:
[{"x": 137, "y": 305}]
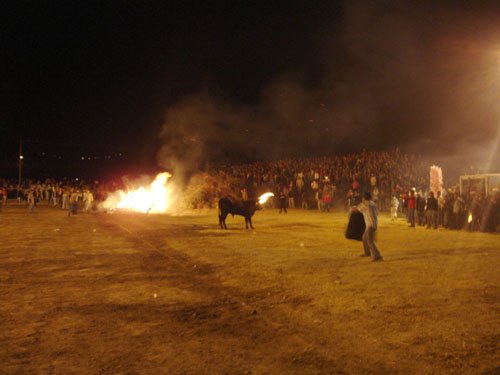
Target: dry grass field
[{"x": 156, "y": 294}]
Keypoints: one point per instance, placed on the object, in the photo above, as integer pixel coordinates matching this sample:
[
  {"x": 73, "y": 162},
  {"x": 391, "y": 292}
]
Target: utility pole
[{"x": 21, "y": 157}]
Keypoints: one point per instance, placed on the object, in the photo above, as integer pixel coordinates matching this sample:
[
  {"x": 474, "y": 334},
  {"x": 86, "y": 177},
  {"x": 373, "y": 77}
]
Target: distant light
[
  {"x": 21, "y": 157},
  {"x": 76, "y": 179},
  {"x": 83, "y": 157}
]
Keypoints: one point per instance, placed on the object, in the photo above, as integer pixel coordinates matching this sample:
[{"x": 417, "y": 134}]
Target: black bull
[{"x": 242, "y": 208}]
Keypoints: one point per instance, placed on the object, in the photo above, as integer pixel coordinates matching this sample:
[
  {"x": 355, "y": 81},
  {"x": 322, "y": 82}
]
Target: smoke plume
[{"x": 392, "y": 76}]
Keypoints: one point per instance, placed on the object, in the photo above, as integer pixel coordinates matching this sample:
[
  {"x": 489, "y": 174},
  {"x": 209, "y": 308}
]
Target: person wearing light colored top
[
  {"x": 88, "y": 198},
  {"x": 394, "y": 208},
  {"x": 31, "y": 201},
  {"x": 370, "y": 213}
]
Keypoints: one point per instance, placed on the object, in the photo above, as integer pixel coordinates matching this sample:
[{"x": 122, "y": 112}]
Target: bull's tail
[{"x": 225, "y": 207}]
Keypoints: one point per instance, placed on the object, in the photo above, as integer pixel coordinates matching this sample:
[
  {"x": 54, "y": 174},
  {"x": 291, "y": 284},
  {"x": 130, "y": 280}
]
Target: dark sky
[{"x": 163, "y": 81}]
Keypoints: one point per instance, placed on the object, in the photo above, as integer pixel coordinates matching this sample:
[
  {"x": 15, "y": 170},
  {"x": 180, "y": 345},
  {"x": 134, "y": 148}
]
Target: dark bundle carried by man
[{"x": 356, "y": 226}]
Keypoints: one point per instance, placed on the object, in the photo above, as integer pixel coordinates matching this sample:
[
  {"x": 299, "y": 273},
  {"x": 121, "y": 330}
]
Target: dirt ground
[{"x": 156, "y": 294}]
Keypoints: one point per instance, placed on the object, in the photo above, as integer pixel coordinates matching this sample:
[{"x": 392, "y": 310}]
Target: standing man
[
  {"x": 394, "y": 208},
  {"x": 73, "y": 202},
  {"x": 412, "y": 205},
  {"x": 282, "y": 199},
  {"x": 420, "y": 209},
  {"x": 292, "y": 192},
  {"x": 327, "y": 197},
  {"x": 432, "y": 211},
  {"x": 88, "y": 198},
  {"x": 369, "y": 210},
  {"x": 31, "y": 201},
  {"x": 441, "y": 202},
  {"x": 244, "y": 194}
]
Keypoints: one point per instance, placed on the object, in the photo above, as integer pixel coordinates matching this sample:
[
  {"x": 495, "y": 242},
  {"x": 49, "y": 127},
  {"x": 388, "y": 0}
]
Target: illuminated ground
[{"x": 129, "y": 293}]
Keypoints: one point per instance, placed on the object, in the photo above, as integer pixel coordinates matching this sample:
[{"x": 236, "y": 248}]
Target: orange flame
[
  {"x": 469, "y": 219},
  {"x": 153, "y": 199}
]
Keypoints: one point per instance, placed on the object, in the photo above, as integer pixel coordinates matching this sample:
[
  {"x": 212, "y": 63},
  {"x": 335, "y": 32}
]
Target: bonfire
[{"x": 154, "y": 198}]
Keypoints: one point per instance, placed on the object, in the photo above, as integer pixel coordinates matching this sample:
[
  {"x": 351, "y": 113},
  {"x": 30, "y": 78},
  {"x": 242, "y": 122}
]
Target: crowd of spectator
[
  {"x": 470, "y": 210},
  {"x": 66, "y": 195},
  {"x": 398, "y": 182},
  {"x": 327, "y": 181}
]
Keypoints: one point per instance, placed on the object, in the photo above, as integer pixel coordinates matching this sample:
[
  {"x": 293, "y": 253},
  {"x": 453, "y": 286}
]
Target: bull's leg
[
  {"x": 246, "y": 222},
  {"x": 250, "y": 222},
  {"x": 222, "y": 221}
]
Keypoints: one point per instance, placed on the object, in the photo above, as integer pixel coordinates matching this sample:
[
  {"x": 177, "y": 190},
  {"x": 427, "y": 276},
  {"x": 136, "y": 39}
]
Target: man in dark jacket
[
  {"x": 282, "y": 200},
  {"x": 432, "y": 209},
  {"x": 420, "y": 209}
]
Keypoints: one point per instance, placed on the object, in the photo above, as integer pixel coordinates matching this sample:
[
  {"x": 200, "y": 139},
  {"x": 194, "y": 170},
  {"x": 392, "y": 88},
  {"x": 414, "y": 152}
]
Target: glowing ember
[
  {"x": 264, "y": 197},
  {"x": 469, "y": 219},
  {"x": 153, "y": 199}
]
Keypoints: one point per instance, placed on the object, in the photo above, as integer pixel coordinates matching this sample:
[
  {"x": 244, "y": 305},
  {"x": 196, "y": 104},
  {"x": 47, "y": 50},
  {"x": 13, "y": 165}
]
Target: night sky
[{"x": 155, "y": 84}]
